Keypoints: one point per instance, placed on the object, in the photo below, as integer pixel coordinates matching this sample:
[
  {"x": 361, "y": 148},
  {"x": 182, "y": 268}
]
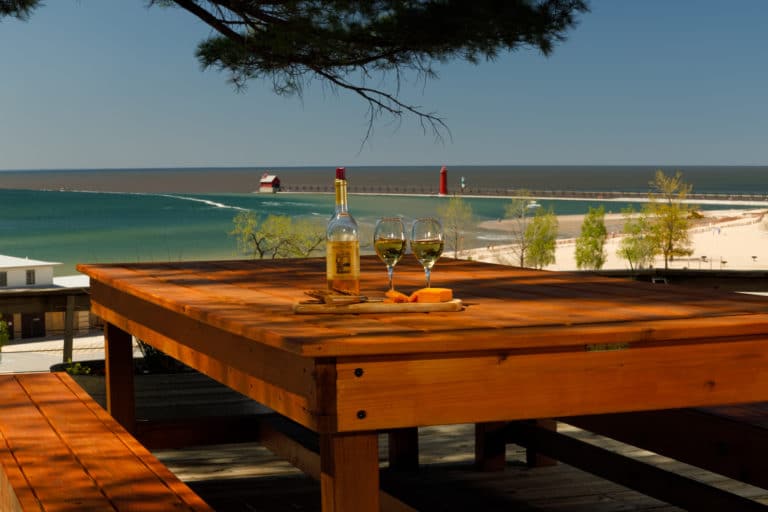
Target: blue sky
[{"x": 112, "y": 84}]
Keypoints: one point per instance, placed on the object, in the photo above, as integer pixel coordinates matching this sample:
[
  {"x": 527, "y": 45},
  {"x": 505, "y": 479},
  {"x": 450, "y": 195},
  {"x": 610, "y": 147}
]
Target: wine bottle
[{"x": 342, "y": 242}]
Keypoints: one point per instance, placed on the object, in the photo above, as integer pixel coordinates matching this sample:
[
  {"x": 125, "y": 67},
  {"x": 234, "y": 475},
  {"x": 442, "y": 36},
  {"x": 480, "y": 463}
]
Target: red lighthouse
[{"x": 443, "y": 181}]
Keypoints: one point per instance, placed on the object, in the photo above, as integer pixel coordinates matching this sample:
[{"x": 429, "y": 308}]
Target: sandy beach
[{"x": 723, "y": 239}]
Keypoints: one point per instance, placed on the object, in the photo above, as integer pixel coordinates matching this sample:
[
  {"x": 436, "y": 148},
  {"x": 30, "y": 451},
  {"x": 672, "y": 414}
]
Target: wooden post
[
  {"x": 69, "y": 329},
  {"x": 535, "y": 459},
  {"x": 404, "y": 449},
  {"x": 490, "y": 446},
  {"x": 118, "y": 355},
  {"x": 349, "y": 480}
]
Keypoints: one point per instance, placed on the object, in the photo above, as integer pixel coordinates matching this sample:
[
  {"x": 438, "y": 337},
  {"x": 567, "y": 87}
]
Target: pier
[{"x": 512, "y": 192}]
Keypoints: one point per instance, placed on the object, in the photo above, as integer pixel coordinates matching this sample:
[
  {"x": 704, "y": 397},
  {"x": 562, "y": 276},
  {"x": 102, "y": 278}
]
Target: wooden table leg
[
  {"x": 118, "y": 359},
  {"x": 349, "y": 480},
  {"x": 533, "y": 458},
  {"x": 404, "y": 449},
  {"x": 490, "y": 446}
]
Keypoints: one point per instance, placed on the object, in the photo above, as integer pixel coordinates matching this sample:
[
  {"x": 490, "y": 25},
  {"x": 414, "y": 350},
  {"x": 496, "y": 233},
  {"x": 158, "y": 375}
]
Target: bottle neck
[{"x": 341, "y": 196}]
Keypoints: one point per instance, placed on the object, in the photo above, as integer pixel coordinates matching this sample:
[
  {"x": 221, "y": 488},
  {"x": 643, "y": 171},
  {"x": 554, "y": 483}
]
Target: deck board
[
  {"x": 236, "y": 477},
  {"x": 249, "y": 477}
]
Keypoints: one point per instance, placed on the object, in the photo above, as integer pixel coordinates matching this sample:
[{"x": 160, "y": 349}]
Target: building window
[
  {"x": 3, "y": 278},
  {"x": 30, "y": 277}
]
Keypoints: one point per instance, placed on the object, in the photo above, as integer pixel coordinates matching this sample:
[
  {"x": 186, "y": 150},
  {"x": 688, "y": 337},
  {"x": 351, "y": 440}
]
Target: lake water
[{"x": 176, "y": 214}]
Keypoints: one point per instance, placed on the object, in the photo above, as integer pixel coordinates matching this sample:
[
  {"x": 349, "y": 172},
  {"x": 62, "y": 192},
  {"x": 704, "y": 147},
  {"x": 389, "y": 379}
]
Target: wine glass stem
[
  {"x": 427, "y": 272},
  {"x": 390, "y": 271}
]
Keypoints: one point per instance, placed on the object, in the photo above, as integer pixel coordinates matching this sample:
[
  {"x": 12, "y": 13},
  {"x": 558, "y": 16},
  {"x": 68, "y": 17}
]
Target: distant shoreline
[
  {"x": 576, "y": 182},
  {"x": 723, "y": 239},
  {"x": 106, "y": 185}
]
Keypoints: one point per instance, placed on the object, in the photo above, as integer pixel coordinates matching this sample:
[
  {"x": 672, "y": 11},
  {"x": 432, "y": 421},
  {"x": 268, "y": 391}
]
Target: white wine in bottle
[{"x": 342, "y": 242}]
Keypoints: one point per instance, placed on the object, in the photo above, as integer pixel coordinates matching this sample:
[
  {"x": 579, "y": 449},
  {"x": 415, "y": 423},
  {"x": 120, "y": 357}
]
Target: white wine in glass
[
  {"x": 427, "y": 243},
  {"x": 389, "y": 242}
]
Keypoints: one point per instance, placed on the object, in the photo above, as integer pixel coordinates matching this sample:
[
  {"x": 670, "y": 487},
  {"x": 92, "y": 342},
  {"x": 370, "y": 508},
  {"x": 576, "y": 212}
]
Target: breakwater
[{"x": 509, "y": 192}]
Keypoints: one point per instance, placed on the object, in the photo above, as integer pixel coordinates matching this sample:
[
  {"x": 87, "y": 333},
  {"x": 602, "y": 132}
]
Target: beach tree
[
  {"x": 541, "y": 239},
  {"x": 590, "y": 245},
  {"x": 637, "y": 245},
  {"x": 518, "y": 212},
  {"x": 370, "y": 49},
  {"x": 276, "y": 236},
  {"x": 533, "y": 231},
  {"x": 669, "y": 215},
  {"x": 456, "y": 216},
  {"x": 20, "y": 9},
  {"x": 307, "y": 237}
]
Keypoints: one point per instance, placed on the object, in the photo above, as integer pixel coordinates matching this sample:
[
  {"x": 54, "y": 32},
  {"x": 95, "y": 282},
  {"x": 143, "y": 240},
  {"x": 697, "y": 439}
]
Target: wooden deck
[{"x": 247, "y": 477}]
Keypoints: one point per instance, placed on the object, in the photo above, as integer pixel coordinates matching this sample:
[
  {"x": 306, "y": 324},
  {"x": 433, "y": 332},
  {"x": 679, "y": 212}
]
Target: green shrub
[
  {"x": 77, "y": 368},
  {"x": 156, "y": 361},
  {"x": 4, "y": 334}
]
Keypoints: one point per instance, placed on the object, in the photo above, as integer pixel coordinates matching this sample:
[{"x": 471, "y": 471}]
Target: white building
[
  {"x": 23, "y": 272},
  {"x": 32, "y": 302}
]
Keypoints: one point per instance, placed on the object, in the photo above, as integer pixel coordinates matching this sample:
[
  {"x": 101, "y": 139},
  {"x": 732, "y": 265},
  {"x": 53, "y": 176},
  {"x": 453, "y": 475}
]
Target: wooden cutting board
[{"x": 377, "y": 307}]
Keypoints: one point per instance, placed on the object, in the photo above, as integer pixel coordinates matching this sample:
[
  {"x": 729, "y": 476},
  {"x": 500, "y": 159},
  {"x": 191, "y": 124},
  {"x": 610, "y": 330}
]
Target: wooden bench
[{"x": 60, "y": 451}]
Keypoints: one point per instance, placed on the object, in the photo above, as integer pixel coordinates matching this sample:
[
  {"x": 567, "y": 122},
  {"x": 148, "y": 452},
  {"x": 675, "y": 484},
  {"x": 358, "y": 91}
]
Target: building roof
[
  {"x": 8, "y": 262},
  {"x": 268, "y": 178},
  {"x": 73, "y": 281}
]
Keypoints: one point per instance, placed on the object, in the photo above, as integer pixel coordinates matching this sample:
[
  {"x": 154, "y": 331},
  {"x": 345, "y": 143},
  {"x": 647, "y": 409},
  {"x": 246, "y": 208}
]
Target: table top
[{"x": 507, "y": 308}]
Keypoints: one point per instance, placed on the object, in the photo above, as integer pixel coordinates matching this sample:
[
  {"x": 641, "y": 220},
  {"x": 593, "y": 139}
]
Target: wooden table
[{"x": 529, "y": 344}]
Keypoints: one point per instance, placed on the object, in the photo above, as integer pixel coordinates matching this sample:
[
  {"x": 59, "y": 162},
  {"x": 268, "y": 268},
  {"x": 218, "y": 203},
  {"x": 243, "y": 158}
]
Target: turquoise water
[
  {"x": 85, "y": 227},
  {"x": 75, "y": 227}
]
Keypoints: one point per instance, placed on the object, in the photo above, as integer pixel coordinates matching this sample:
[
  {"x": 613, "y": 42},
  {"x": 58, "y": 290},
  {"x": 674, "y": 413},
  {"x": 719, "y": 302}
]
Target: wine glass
[
  {"x": 389, "y": 242},
  {"x": 427, "y": 242}
]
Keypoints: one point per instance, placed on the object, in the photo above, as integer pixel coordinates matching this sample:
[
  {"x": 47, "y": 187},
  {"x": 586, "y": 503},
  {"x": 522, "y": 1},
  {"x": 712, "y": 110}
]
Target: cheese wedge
[
  {"x": 393, "y": 296},
  {"x": 432, "y": 295}
]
